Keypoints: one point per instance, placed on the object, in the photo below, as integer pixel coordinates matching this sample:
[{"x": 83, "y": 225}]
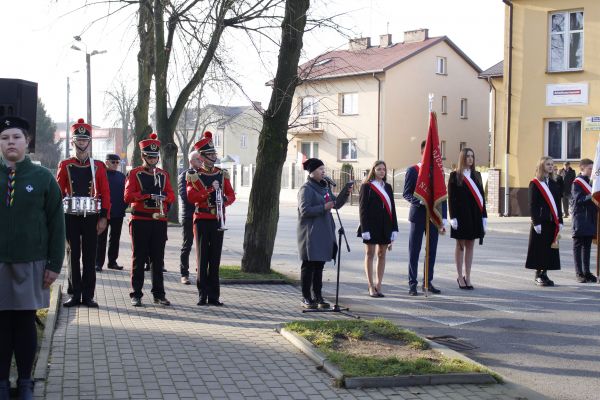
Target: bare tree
[{"x": 121, "y": 103}]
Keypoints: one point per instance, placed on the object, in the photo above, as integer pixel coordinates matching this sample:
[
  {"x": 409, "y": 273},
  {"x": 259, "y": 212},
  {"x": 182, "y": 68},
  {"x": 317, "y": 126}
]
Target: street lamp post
[{"x": 88, "y": 57}]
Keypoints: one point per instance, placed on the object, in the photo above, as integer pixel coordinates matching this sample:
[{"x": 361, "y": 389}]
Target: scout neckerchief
[
  {"x": 547, "y": 195},
  {"x": 474, "y": 191},
  {"x": 10, "y": 193},
  {"x": 385, "y": 199},
  {"x": 583, "y": 184}
]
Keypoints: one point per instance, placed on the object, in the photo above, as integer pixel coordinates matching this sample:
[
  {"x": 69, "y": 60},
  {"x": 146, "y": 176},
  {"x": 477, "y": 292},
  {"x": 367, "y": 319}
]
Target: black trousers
[
  {"x": 582, "y": 247},
  {"x": 82, "y": 239},
  {"x": 115, "y": 225},
  {"x": 148, "y": 240},
  {"x": 187, "y": 233},
  {"x": 311, "y": 274},
  {"x": 209, "y": 243},
  {"x": 18, "y": 336}
]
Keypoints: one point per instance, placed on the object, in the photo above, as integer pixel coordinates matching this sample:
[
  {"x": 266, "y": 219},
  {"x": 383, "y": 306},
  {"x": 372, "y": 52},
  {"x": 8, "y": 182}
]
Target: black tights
[
  {"x": 311, "y": 274},
  {"x": 18, "y": 336}
]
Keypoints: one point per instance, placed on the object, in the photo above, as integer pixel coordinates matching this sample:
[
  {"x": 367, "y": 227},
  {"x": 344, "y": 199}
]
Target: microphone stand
[{"x": 336, "y": 307}]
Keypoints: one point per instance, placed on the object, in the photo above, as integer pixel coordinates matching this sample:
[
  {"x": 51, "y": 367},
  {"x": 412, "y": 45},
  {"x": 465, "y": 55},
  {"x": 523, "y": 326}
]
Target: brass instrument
[
  {"x": 219, "y": 204},
  {"x": 159, "y": 198}
]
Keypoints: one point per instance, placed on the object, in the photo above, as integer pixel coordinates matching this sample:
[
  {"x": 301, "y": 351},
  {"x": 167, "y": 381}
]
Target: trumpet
[
  {"x": 219, "y": 204},
  {"x": 159, "y": 198}
]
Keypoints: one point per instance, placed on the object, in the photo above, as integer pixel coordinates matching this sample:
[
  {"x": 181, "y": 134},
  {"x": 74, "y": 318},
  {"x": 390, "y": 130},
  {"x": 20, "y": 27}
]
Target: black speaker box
[{"x": 19, "y": 98}]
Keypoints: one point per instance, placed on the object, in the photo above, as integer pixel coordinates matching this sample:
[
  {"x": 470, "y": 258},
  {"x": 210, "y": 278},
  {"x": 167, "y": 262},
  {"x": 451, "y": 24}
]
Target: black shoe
[
  {"x": 541, "y": 282},
  {"x": 589, "y": 277},
  {"x": 432, "y": 289},
  {"x": 162, "y": 301},
  {"x": 544, "y": 276},
  {"x": 116, "y": 266},
  {"x": 321, "y": 303},
  {"x": 309, "y": 304},
  {"x": 99, "y": 268},
  {"x": 215, "y": 303},
  {"x": 412, "y": 291},
  {"x": 581, "y": 278},
  {"x": 72, "y": 302},
  {"x": 136, "y": 301},
  {"x": 202, "y": 301},
  {"x": 90, "y": 303},
  {"x": 25, "y": 387}
]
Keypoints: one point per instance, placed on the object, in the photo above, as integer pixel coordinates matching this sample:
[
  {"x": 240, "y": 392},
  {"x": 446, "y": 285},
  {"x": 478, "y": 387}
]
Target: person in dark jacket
[
  {"x": 584, "y": 222},
  {"x": 116, "y": 183},
  {"x": 378, "y": 222},
  {"x": 546, "y": 223},
  {"x": 186, "y": 217},
  {"x": 32, "y": 249},
  {"x": 316, "y": 232},
  {"x": 568, "y": 176},
  {"x": 468, "y": 215}
]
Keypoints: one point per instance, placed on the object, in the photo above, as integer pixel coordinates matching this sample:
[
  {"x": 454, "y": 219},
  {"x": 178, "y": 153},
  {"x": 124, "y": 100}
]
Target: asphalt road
[{"x": 544, "y": 338}]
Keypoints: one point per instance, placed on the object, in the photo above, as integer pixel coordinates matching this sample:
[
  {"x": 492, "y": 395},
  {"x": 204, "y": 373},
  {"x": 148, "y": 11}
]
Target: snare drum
[{"x": 81, "y": 205}]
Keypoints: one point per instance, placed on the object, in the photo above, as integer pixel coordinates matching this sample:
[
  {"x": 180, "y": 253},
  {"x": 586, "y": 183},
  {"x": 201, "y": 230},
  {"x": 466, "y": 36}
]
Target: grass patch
[
  {"x": 378, "y": 348},
  {"x": 235, "y": 272}
]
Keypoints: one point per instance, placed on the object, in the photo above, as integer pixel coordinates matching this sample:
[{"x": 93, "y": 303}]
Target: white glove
[
  {"x": 394, "y": 235},
  {"x": 421, "y": 202},
  {"x": 560, "y": 227},
  {"x": 366, "y": 235},
  {"x": 484, "y": 225},
  {"x": 454, "y": 223},
  {"x": 538, "y": 229}
]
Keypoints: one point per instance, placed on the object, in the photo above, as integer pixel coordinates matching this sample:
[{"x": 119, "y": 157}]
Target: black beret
[
  {"x": 311, "y": 164},
  {"x": 9, "y": 121},
  {"x": 112, "y": 157}
]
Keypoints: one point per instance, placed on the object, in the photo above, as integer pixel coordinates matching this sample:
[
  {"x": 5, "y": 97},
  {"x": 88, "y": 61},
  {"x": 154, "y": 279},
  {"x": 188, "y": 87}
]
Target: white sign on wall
[{"x": 570, "y": 94}]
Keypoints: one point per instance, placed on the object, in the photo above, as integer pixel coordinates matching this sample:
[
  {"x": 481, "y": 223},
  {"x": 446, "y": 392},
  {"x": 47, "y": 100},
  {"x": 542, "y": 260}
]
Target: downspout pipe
[
  {"x": 510, "y": 5},
  {"x": 378, "y": 113}
]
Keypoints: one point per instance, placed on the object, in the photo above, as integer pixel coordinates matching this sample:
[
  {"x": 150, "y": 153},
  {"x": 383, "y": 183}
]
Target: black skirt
[{"x": 540, "y": 254}]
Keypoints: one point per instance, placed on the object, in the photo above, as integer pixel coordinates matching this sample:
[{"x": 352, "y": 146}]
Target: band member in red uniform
[
  {"x": 83, "y": 177},
  {"x": 148, "y": 189},
  {"x": 203, "y": 187}
]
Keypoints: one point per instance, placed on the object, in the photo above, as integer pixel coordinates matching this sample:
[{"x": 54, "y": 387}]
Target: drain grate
[{"x": 452, "y": 342}]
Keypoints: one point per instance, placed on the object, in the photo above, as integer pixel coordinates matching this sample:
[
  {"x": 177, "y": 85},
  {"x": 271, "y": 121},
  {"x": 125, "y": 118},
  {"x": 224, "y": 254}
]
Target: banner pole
[
  {"x": 426, "y": 272},
  {"x": 597, "y": 242}
]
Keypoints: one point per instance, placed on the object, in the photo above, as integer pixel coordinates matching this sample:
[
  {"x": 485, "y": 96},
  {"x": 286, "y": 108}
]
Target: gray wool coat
[{"x": 316, "y": 228}]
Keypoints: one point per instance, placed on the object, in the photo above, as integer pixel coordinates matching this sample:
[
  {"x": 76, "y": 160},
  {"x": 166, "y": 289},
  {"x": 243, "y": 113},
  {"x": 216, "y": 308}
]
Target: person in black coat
[
  {"x": 546, "y": 222},
  {"x": 186, "y": 217},
  {"x": 378, "y": 223},
  {"x": 568, "y": 176},
  {"x": 468, "y": 215},
  {"x": 584, "y": 222},
  {"x": 116, "y": 184}
]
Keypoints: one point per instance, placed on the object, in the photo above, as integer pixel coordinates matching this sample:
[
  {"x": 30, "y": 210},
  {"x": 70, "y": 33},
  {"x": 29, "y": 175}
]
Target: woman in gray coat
[{"x": 316, "y": 232}]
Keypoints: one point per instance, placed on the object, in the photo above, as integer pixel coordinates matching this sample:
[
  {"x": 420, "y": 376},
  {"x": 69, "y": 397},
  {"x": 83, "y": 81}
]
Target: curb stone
[
  {"x": 41, "y": 364},
  {"x": 387, "y": 381},
  {"x": 253, "y": 282}
]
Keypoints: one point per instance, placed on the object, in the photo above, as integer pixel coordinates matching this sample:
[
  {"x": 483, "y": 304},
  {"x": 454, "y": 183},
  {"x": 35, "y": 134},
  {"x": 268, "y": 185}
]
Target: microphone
[{"x": 329, "y": 181}]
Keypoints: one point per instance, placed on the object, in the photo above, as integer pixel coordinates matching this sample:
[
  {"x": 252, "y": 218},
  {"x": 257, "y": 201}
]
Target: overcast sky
[{"x": 38, "y": 35}]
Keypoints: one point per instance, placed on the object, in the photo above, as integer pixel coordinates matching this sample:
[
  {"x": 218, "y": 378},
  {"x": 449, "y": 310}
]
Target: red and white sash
[
  {"x": 547, "y": 195},
  {"x": 474, "y": 191},
  {"x": 583, "y": 184},
  {"x": 385, "y": 199}
]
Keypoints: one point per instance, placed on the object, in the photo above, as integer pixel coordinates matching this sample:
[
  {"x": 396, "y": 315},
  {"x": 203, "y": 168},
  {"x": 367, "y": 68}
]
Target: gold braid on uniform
[
  {"x": 225, "y": 174},
  {"x": 191, "y": 176}
]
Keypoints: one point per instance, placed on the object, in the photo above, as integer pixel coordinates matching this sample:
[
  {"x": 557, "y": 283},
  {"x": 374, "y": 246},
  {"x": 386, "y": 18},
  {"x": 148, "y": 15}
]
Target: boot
[
  {"x": 589, "y": 277},
  {"x": 5, "y": 389},
  {"x": 539, "y": 280},
  {"x": 25, "y": 387},
  {"x": 321, "y": 303},
  {"x": 548, "y": 281}
]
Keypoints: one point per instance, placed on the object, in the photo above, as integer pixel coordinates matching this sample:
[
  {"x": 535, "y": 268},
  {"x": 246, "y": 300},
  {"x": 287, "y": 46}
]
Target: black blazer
[
  {"x": 584, "y": 211},
  {"x": 374, "y": 217},
  {"x": 539, "y": 208}
]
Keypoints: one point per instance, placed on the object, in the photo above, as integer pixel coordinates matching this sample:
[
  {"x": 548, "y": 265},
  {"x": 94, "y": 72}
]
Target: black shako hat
[
  {"x": 311, "y": 164},
  {"x": 10, "y": 121}
]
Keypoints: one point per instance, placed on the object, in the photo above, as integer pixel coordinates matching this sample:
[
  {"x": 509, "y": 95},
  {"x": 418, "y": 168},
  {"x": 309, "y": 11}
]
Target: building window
[
  {"x": 349, "y": 103},
  {"x": 218, "y": 138},
  {"x": 309, "y": 106},
  {"x": 563, "y": 139},
  {"x": 348, "y": 150},
  {"x": 309, "y": 150},
  {"x": 462, "y": 145},
  {"x": 443, "y": 149},
  {"x": 444, "y": 105},
  {"x": 440, "y": 68},
  {"x": 243, "y": 141},
  {"x": 463, "y": 108},
  {"x": 566, "y": 41}
]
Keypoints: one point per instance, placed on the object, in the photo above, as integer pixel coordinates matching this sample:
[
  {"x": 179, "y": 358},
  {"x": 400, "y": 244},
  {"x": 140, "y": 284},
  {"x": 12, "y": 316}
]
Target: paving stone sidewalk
[{"x": 189, "y": 352}]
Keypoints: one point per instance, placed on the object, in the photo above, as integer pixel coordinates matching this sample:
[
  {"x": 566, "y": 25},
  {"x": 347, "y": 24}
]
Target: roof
[
  {"x": 495, "y": 71},
  {"x": 341, "y": 63}
]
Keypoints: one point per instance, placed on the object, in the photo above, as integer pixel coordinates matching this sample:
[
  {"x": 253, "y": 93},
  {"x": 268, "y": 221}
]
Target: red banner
[{"x": 431, "y": 185}]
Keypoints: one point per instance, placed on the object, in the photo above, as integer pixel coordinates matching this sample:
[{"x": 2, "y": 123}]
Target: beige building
[
  {"x": 553, "y": 104},
  {"x": 371, "y": 102}
]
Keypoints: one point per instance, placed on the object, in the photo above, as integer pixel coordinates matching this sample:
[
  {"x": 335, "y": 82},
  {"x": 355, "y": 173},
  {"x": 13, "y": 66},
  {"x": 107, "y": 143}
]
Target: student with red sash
[
  {"x": 546, "y": 223},
  {"x": 468, "y": 216},
  {"x": 378, "y": 223},
  {"x": 584, "y": 221}
]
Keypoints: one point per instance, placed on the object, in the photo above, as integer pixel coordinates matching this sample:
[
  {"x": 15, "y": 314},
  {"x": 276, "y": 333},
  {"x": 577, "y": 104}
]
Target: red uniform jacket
[
  {"x": 75, "y": 179},
  {"x": 140, "y": 184},
  {"x": 202, "y": 194}
]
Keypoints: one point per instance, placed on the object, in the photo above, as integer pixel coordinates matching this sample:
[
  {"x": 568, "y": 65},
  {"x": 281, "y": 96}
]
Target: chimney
[
  {"x": 385, "y": 40},
  {"x": 359, "y": 44},
  {"x": 418, "y": 35}
]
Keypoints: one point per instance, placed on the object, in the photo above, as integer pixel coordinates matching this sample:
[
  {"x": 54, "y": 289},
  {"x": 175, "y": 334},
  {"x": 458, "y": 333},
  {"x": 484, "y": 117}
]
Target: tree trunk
[
  {"x": 263, "y": 209},
  {"x": 145, "y": 70}
]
